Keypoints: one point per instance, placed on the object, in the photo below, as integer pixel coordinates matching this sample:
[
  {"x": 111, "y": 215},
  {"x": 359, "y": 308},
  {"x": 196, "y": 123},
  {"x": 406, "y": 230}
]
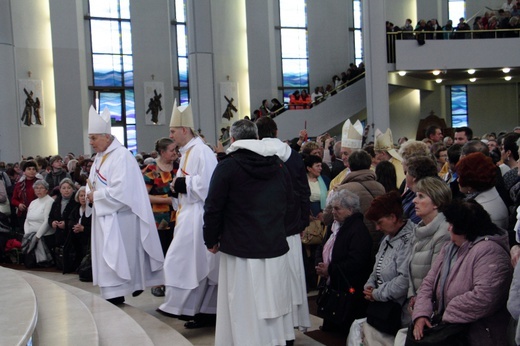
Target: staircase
[
  {"x": 39, "y": 311},
  {"x": 326, "y": 115}
]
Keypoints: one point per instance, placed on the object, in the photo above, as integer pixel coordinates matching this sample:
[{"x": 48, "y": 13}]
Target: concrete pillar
[
  {"x": 201, "y": 64},
  {"x": 374, "y": 41},
  {"x": 10, "y": 129},
  {"x": 70, "y": 75}
]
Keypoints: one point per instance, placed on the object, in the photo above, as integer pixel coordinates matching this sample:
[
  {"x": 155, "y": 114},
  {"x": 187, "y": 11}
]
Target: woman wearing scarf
[
  {"x": 345, "y": 255},
  {"x": 319, "y": 186},
  {"x": 79, "y": 226},
  {"x": 23, "y": 193}
]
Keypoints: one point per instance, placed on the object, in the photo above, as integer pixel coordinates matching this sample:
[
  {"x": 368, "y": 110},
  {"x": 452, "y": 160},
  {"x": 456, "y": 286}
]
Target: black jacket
[
  {"x": 56, "y": 215},
  {"x": 298, "y": 214},
  {"x": 246, "y": 207}
]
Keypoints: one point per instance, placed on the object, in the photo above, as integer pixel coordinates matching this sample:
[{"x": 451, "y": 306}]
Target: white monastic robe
[
  {"x": 126, "y": 251},
  {"x": 191, "y": 271}
]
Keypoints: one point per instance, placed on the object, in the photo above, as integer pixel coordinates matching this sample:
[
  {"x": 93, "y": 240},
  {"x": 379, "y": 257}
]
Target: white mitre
[
  {"x": 385, "y": 141},
  {"x": 99, "y": 123},
  {"x": 182, "y": 116},
  {"x": 352, "y": 135}
]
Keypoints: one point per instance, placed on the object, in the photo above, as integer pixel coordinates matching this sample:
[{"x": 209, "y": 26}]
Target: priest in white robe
[
  {"x": 245, "y": 220},
  {"x": 191, "y": 272},
  {"x": 126, "y": 251}
]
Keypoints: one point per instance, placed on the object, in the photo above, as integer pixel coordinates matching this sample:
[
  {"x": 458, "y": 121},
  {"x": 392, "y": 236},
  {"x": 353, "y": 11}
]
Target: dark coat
[
  {"x": 246, "y": 207},
  {"x": 57, "y": 215},
  {"x": 352, "y": 255},
  {"x": 298, "y": 214}
]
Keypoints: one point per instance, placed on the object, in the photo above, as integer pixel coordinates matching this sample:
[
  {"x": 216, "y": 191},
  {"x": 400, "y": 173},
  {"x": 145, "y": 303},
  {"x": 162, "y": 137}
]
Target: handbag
[
  {"x": 334, "y": 304},
  {"x": 442, "y": 334},
  {"x": 385, "y": 316},
  {"x": 314, "y": 233},
  {"x": 85, "y": 269}
]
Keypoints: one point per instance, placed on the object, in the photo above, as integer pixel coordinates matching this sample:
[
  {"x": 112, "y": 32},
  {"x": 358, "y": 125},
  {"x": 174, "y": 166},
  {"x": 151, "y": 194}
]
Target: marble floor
[{"x": 146, "y": 302}]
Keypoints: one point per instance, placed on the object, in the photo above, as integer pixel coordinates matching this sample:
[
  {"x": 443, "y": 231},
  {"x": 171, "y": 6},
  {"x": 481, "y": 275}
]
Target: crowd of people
[
  {"x": 301, "y": 99},
  {"x": 420, "y": 234}
]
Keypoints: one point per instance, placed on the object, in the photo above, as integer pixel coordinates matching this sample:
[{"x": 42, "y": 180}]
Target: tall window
[
  {"x": 358, "y": 34},
  {"x": 112, "y": 66},
  {"x": 295, "y": 55},
  {"x": 456, "y": 10},
  {"x": 182, "y": 52},
  {"x": 459, "y": 105}
]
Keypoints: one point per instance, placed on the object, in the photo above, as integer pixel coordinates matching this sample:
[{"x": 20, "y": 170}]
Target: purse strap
[{"x": 345, "y": 279}]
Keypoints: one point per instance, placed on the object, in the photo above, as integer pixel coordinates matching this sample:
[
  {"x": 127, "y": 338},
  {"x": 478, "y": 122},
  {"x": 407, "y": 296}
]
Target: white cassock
[
  {"x": 191, "y": 271},
  {"x": 254, "y": 302},
  {"x": 126, "y": 251}
]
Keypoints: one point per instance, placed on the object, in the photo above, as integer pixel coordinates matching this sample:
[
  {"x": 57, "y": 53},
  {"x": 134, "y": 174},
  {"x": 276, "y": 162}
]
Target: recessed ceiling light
[
  {"x": 438, "y": 81},
  {"x": 506, "y": 69},
  {"x": 508, "y": 78},
  {"x": 436, "y": 72},
  {"x": 402, "y": 73},
  {"x": 472, "y": 80},
  {"x": 471, "y": 71}
]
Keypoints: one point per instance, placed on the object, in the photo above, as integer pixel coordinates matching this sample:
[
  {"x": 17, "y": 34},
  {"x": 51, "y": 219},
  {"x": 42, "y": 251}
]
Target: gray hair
[
  {"x": 243, "y": 129},
  {"x": 41, "y": 182},
  {"x": 346, "y": 199},
  {"x": 76, "y": 196},
  {"x": 68, "y": 181}
]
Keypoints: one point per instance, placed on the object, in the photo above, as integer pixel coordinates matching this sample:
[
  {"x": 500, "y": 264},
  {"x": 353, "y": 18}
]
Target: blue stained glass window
[
  {"x": 130, "y": 106},
  {"x": 294, "y": 43},
  {"x": 126, "y": 37},
  {"x": 358, "y": 32},
  {"x": 294, "y": 46},
  {"x": 112, "y": 64},
  {"x": 113, "y": 102},
  {"x": 128, "y": 67},
  {"x": 459, "y": 105},
  {"x": 294, "y": 13},
  {"x": 107, "y": 70},
  {"x": 180, "y": 10},
  {"x": 131, "y": 135},
  {"x": 183, "y": 72},
  {"x": 182, "y": 52},
  {"x": 105, "y": 36},
  {"x": 295, "y": 73},
  {"x": 182, "y": 41},
  {"x": 184, "y": 96},
  {"x": 124, "y": 7},
  {"x": 456, "y": 10}
]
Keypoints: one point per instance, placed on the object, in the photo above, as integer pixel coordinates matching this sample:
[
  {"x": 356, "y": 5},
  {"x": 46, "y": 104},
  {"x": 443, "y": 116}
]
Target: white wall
[
  {"x": 328, "y": 40},
  {"x": 398, "y": 11},
  {"x": 33, "y": 52}
]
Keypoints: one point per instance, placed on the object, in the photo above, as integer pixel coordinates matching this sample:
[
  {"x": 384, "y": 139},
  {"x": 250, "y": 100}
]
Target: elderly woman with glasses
[
  {"x": 388, "y": 282},
  {"x": 343, "y": 261},
  {"x": 36, "y": 220}
]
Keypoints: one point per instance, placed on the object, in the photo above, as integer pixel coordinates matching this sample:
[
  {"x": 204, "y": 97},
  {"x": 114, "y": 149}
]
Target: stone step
[
  {"x": 159, "y": 333},
  {"x": 63, "y": 319},
  {"x": 19, "y": 313}
]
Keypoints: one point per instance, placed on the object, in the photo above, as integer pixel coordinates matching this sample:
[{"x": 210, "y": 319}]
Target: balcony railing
[{"x": 391, "y": 37}]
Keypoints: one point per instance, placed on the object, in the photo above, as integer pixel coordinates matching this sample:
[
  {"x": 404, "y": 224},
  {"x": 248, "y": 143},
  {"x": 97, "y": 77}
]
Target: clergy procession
[{"x": 408, "y": 244}]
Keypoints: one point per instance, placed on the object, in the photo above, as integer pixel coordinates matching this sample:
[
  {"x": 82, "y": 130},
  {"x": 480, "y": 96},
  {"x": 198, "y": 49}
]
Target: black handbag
[
  {"x": 85, "y": 269},
  {"x": 334, "y": 304},
  {"x": 442, "y": 334},
  {"x": 385, "y": 316}
]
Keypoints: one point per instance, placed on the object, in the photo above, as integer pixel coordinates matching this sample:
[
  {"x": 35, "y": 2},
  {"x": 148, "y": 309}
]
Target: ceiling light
[
  {"x": 438, "y": 81},
  {"x": 508, "y": 78},
  {"x": 472, "y": 80},
  {"x": 402, "y": 73},
  {"x": 471, "y": 71},
  {"x": 436, "y": 72},
  {"x": 506, "y": 69}
]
